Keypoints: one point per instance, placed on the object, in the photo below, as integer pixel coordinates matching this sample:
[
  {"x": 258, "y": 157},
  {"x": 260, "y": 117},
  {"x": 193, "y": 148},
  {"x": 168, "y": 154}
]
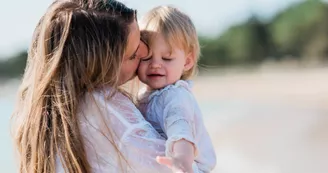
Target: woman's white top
[
  {"x": 173, "y": 111},
  {"x": 116, "y": 122}
]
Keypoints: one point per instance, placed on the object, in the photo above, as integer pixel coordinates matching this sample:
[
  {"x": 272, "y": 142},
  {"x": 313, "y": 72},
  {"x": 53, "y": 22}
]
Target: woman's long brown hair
[{"x": 78, "y": 46}]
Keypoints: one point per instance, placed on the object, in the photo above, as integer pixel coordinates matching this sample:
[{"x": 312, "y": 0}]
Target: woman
[{"x": 71, "y": 115}]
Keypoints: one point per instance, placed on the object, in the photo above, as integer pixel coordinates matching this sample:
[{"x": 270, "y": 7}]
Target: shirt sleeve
[{"x": 178, "y": 117}]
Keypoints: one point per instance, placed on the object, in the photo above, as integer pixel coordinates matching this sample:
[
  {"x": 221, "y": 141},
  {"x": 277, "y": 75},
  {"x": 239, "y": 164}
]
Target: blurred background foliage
[{"x": 298, "y": 33}]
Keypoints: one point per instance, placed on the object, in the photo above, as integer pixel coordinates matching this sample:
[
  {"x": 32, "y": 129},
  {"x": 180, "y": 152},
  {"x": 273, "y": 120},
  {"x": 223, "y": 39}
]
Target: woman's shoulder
[
  {"x": 108, "y": 95},
  {"x": 111, "y": 103}
]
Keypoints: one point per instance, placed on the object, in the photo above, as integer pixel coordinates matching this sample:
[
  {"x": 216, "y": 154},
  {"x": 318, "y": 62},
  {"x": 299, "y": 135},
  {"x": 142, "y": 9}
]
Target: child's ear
[{"x": 190, "y": 62}]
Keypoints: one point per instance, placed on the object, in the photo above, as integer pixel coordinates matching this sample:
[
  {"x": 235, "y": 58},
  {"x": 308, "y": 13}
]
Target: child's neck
[{"x": 149, "y": 89}]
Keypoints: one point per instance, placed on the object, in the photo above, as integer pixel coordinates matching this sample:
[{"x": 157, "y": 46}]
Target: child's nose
[{"x": 155, "y": 65}]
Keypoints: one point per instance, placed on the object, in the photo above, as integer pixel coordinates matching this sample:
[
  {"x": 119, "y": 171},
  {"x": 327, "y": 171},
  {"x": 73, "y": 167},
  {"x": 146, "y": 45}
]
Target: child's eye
[
  {"x": 167, "y": 59},
  {"x": 145, "y": 59}
]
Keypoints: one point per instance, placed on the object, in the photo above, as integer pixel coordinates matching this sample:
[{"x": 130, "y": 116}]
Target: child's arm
[
  {"x": 178, "y": 124},
  {"x": 183, "y": 152}
]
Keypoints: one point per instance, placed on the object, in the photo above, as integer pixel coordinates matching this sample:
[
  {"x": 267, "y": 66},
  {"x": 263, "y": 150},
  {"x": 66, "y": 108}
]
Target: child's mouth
[{"x": 155, "y": 75}]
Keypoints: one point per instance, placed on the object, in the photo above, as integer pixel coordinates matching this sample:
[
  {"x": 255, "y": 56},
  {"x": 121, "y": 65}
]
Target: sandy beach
[{"x": 270, "y": 121}]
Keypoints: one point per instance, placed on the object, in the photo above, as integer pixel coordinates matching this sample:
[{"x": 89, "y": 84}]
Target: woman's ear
[{"x": 190, "y": 61}]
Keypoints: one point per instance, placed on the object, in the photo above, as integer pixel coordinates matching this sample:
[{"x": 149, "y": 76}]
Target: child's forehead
[
  {"x": 169, "y": 41},
  {"x": 166, "y": 47},
  {"x": 165, "y": 42}
]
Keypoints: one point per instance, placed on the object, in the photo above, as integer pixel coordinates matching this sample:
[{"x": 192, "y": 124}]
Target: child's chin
[{"x": 156, "y": 87}]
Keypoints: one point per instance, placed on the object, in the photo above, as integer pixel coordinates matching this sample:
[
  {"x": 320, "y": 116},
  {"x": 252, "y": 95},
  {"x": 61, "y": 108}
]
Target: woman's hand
[{"x": 177, "y": 165}]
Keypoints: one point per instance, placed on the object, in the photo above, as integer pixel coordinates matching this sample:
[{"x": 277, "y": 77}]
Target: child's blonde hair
[{"x": 177, "y": 29}]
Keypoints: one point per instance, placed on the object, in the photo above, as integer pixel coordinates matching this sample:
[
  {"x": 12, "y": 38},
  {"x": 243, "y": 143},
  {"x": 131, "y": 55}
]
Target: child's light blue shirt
[{"x": 174, "y": 113}]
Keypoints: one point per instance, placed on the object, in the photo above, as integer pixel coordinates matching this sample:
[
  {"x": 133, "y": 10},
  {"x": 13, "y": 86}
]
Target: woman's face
[{"x": 135, "y": 50}]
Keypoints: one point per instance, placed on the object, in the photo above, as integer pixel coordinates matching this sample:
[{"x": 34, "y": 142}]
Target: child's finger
[{"x": 167, "y": 161}]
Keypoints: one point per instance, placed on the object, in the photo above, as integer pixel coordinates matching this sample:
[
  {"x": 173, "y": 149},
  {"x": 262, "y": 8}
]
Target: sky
[{"x": 211, "y": 17}]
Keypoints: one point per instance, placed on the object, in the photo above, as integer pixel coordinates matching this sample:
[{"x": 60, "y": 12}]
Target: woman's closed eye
[{"x": 134, "y": 56}]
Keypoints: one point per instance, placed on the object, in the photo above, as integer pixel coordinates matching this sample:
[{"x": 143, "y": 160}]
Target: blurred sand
[{"x": 268, "y": 121}]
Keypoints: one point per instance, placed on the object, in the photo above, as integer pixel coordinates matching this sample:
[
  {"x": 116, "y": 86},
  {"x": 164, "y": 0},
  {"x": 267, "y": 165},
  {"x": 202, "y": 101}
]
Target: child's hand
[{"x": 178, "y": 165}]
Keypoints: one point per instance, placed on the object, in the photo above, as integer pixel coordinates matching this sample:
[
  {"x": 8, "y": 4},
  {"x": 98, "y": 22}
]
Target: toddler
[{"x": 168, "y": 102}]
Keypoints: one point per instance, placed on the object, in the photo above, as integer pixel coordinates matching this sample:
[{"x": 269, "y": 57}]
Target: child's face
[{"x": 163, "y": 68}]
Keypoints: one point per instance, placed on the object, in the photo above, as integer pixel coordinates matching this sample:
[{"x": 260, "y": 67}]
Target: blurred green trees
[
  {"x": 299, "y": 32},
  {"x": 14, "y": 66}
]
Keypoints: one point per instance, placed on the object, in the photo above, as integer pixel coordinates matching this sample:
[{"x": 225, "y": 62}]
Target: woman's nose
[{"x": 143, "y": 50}]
